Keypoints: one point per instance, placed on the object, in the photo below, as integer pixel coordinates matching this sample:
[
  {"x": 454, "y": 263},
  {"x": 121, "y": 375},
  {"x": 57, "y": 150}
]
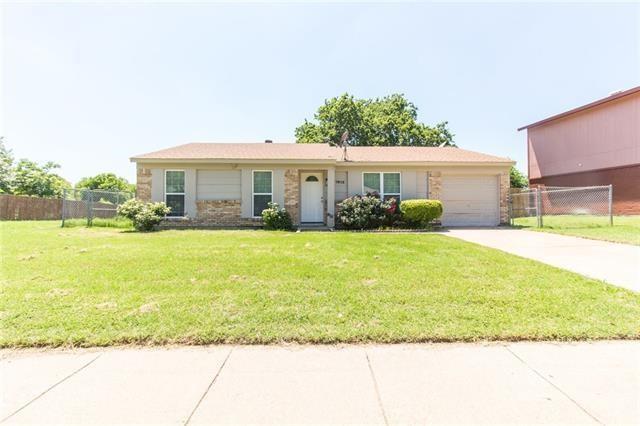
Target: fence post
[
  {"x": 90, "y": 208},
  {"x": 64, "y": 204},
  {"x": 539, "y": 207},
  {"x": 610, "y": 205}
]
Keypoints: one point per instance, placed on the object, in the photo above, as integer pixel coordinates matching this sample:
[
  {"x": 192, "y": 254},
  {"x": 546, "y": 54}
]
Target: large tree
[
  {"x": 6, "y": 168},
  {"x": 387, "y": 121},
  {"x": 32, "y": 179},
  {"x": 106, "y": 182}
]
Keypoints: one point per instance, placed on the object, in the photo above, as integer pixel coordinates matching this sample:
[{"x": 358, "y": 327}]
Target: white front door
[{"x": 311, "y": 194}]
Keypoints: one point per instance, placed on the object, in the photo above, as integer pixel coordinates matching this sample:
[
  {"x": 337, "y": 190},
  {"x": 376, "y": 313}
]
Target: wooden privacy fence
[{"x": 19, "y": 207}]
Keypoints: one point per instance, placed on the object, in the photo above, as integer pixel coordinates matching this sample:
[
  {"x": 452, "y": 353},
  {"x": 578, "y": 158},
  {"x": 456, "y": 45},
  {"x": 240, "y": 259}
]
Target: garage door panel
[
  {"x": 474, "y": 207},
  {"x": 470, "y": 201}
]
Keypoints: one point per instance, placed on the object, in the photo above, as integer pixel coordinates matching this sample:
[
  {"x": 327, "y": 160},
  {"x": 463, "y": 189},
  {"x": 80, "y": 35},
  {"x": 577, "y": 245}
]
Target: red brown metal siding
[{"x": 625, "y": 181}]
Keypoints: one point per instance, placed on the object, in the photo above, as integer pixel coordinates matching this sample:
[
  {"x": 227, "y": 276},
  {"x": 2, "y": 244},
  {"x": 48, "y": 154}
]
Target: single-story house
[{"x": 229, "y": 184}]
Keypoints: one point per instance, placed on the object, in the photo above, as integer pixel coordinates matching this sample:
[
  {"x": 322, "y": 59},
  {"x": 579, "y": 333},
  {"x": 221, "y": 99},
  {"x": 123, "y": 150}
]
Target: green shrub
[
  {"x": 420, "y": 212},
  {"x": 276, "y": 218},
  {"x": 366, "y": 212},
  {"x": 145, "y": 216}
]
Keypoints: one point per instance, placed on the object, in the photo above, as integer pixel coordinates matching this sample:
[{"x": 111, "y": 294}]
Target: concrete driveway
[
  {"x": 586, "y": 383},
  {"x": 617, "y": 264}
]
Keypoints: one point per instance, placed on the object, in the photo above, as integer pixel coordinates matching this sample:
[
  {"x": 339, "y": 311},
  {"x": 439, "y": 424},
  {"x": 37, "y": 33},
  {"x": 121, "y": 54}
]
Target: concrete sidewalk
[
  {"x": 617, "y": 264},
  {"x": 432, "y": 383}
]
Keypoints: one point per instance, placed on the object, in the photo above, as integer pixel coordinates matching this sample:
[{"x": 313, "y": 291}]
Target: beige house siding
[
  {"x": 341, "y": 185},
  {"x": 218, "y": 185}
]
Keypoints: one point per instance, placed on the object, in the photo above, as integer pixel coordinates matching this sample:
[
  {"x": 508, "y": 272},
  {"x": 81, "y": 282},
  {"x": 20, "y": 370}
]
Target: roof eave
[
  {"x": 593, "y": 104},
  {"x": 505, "y": 162},
  {"x": 231, "y": 160},
  {"x": 426, "y": 163}
]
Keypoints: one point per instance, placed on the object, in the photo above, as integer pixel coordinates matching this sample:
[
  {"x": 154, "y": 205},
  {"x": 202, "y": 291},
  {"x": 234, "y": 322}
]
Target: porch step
[{"x": 311, "y": 227}]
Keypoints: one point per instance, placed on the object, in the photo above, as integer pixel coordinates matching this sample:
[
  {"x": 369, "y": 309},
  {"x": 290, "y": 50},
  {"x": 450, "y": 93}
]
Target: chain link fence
[
  {"x": 89, "y": 204},
  {"x": 550, "y": 205}
]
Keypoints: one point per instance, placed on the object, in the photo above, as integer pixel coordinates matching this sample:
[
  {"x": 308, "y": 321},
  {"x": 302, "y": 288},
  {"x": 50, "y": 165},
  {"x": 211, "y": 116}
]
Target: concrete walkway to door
[{"x": 617, "y": 264}]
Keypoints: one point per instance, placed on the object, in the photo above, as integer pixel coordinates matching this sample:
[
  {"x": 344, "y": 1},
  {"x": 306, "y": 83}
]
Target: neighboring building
[
  {"x": 595, "y": 144},
  {"x": 218, "y": 184}
]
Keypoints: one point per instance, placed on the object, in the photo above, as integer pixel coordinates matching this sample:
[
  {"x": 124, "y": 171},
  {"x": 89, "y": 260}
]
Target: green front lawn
[
  {"x": 102, "y": 286},
  {"x": 625, "y": 229}
]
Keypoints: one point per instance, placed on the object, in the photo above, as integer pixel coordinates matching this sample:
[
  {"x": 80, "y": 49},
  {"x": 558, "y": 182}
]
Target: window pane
[
  {"x": 261, "y": 182},
  {"x": 260, "y": 203},
  {"x": 392, "y": 183},
  {"x": 175, "y": 182},
  {"x": 371, "y": 182},
  {"x": 176, "y": 202}
]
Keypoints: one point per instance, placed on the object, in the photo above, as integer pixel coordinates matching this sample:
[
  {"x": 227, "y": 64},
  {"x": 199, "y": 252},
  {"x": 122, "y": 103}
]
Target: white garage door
[{"x": 470, "y": 201}]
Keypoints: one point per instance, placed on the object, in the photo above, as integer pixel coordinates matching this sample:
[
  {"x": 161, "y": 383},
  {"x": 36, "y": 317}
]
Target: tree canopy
[
  {"x": 6, "y": 168},
  {"x": 106, "y": 182},
  {"x": 517, "y": 178},
  {"x": 32, "y": 179},
  {"x": 387, "y": 121}
]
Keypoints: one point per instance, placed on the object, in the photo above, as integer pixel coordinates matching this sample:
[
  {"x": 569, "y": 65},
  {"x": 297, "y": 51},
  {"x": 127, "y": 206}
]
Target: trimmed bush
[
  {"x": 276, "y": 218},
  {"x": 145, "y": 216},
  {"x": 420, "y": 212},
  {"x": 366, "y": 212}
]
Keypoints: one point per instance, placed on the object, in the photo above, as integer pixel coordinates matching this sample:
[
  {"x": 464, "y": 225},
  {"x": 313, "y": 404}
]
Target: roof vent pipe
[{"x": 268, "y": 141}]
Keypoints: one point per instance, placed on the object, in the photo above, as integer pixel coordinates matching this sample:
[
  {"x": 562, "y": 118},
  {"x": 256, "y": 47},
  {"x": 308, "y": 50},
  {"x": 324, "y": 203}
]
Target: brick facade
[
  {"x": 292, "y": 194},
  {"x": 222, "y": 213},
  {"x": 435, "y": 186},
  {"x": 505, "y": 185},
  {"x": 215, "y": 214},
  {"x": 143, "y": 183}
]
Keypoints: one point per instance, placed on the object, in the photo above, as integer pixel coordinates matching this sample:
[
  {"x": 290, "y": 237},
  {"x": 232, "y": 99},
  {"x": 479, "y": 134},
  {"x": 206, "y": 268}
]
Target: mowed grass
[
  {"x": 103, "y": 286},
  {"x": 625, "y": 229},
  {"x": 115, "y": 222}
]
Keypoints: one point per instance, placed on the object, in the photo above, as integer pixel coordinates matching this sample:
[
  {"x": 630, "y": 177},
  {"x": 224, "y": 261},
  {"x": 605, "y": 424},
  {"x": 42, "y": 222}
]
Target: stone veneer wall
[
  {"x": 435, "y": 186},
  {"x": 143, "y": 183},
  {"x": 505, "y": 184},
  {"x": 292, "y": 194}
]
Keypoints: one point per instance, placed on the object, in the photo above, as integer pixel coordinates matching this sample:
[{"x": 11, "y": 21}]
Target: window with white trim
[
  {"x": 174, "y": 192},
  {"x": 262, "y": 190},
  {"x": 385, "y": 185}
]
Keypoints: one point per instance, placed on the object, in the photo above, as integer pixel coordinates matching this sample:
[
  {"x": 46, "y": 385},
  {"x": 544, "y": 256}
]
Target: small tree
[{"x": 517, "y": 178}]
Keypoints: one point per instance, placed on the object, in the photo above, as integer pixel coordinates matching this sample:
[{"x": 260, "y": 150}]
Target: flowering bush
[
  {"x": 366, "y": 212},
  {"x": 145, "y": 216},
  {"x": 276, "y": 218}
]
